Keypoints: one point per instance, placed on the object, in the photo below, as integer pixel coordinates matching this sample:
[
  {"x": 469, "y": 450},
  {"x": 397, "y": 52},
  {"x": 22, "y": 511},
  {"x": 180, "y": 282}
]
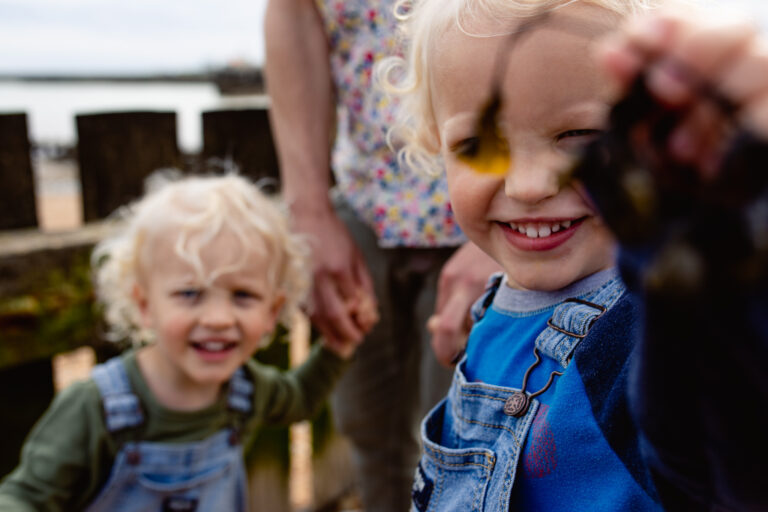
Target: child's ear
[
  {"x": 277, "y": 306},
  {"x": 139, "y": 295}
]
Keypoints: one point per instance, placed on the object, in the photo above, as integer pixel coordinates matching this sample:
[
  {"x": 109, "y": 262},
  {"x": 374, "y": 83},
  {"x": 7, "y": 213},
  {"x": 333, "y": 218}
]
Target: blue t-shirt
[{"x": 566, "y": 464}]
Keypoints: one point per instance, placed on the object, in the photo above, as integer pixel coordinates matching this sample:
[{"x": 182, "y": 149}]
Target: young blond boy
[
  {"x": 198, "y": 276},
  {"x": 537, "y": 417}
]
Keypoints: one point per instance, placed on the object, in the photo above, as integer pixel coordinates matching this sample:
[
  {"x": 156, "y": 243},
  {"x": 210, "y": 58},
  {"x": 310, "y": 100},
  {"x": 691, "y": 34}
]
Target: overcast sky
[
  {"x": 135, "y": 36},
  {"x": 128, "y": 35}
]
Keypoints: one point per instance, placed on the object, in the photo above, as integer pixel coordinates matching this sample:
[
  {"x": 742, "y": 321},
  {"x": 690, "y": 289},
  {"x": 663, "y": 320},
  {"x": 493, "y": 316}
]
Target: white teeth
[
  {"x": 214, "y": 346},
  {"x": 540, "y": 230}
]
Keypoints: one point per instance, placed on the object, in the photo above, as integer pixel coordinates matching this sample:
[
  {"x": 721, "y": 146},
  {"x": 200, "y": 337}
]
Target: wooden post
[
  {"x": 17, "y": 187},
  {"x": 29, "y": 386},
  {"x": 117, "y": 151},
  {"x": 244, "y": 137}
]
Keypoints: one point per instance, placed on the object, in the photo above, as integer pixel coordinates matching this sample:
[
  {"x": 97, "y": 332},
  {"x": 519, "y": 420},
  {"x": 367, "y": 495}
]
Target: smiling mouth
[
  {"x": 535, "y": 230},
  {"x": 214, "y": 346}
]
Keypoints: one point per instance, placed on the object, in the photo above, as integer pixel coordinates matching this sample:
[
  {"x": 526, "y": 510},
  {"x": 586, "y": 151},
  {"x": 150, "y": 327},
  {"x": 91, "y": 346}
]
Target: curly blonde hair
[
  {"x": 195, "y": 210},
  {"x": 414, "y": 133}
]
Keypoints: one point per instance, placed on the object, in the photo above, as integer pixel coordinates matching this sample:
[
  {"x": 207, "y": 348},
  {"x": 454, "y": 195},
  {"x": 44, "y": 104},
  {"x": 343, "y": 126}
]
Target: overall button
[{"x": 517, "y": 404}]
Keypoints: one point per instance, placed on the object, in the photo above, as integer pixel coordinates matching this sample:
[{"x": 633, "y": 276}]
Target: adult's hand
[
  {"x": 462, "y": 281},
  {"x": 301, "y": 115},
  {"x": 342, "y": 293}
]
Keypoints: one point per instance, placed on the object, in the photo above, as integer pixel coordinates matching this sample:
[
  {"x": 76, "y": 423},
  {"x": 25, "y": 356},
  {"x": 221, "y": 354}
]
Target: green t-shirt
[{"x": 68, "y": 456}]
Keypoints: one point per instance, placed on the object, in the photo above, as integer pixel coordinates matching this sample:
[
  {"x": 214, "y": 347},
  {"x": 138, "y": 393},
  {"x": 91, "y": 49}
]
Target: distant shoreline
[
  {"x": 179, "y": 77},
  {"x": 229, "y": 80}
]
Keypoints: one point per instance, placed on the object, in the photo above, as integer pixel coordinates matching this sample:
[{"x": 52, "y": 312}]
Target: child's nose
[
  {"x": 217, "y": 314},
  {"x": 531, "y": 178}
]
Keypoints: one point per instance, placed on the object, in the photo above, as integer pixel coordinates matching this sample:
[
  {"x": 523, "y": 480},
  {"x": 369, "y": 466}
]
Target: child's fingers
[
  {"x": 331, "y": 314},
  {"x": 626, "y": 52},
  {"x": 746, "y": 78},
  {"x": 678, "y": 53},
  {"x": 701, "y": 138}
]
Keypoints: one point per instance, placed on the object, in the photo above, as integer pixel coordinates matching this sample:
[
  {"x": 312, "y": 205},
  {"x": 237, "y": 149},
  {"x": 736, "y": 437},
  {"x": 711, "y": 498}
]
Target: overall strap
[
  {"x": 239, "y": 402},
  {"x": 122, "y": 408},
  {"x": 240, "y": 397},
  {"x": 482, "y": 304},
  {"x": 573, "y": 318}
]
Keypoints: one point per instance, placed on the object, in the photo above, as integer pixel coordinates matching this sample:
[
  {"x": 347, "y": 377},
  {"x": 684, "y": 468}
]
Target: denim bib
[
  {"x": 200, "y": 476},
  {"x": 476, "y": 470}
]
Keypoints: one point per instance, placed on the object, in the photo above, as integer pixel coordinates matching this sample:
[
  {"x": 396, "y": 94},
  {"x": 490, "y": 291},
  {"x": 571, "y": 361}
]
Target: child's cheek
[
  {"x": 175, "y": 327},
  {"x": 582, "y": 191}
]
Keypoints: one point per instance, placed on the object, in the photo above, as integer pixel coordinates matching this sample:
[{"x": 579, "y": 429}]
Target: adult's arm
[{"x": 302, "y": 114}]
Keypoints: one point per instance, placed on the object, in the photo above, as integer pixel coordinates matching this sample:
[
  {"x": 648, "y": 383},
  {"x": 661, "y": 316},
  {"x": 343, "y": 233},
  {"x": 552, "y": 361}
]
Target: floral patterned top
[{"x": 404, "y": 207}]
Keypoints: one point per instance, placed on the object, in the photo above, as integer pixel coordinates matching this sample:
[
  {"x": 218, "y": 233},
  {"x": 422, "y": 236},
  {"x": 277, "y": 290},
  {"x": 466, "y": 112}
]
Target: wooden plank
[
  {"x": 25, "y": 255},
  {"x": 117, "y": 151},
  {"x": 46, "y": 298},
  {"x": 244, "y": 137},
  {"x": 17, "y": 188}
]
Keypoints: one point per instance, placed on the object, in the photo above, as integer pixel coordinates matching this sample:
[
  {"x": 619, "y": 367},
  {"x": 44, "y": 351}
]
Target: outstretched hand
[{"x": 683, "y": 57}]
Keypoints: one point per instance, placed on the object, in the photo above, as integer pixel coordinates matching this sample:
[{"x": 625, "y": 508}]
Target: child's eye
[
  {"x": 485, "y": 154},
  {"x": 188, "y": 294},
  {"x": 468, "y": 147},
  {"x": 246, "y": 295},
  {"x": 572, "y": 140}
]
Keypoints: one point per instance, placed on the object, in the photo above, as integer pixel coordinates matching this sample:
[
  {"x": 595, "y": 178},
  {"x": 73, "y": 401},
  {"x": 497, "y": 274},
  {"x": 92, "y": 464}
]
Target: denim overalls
[
  {"x": 201, "y": 476},
  {"x": 476, "y": 470}
]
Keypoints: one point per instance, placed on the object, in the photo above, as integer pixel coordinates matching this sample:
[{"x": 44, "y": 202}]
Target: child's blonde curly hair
[
  {"x": 414, "y": 133},
  {"x": 195, "y": 210}
]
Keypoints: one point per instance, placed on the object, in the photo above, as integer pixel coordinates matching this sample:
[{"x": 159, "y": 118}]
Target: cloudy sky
[
  {"x": 130, "y": 36},
  {"x": 127, "y": 36}
]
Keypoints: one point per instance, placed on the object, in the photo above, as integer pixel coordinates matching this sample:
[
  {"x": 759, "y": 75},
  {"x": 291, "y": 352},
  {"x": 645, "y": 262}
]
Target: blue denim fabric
[
  {"x": 201, "y": 476},
  {"x": 476, "y": 469},
  {"x": 471, "y": 446}
]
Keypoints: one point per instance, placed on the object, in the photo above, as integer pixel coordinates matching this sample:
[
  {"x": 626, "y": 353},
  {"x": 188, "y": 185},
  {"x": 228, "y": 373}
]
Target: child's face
[
  {"x": 545, "y": 235},
  {"x": 205, "y": 331}
]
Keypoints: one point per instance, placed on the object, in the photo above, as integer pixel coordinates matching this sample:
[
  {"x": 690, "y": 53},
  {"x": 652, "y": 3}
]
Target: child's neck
[{"x": 170, "y": 388}]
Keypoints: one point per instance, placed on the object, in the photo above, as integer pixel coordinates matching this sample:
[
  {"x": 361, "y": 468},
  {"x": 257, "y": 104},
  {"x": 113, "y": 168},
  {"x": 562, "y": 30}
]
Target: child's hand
[
  {"x": 682, "y": 56},
  {"x": 363, "y": 310}
]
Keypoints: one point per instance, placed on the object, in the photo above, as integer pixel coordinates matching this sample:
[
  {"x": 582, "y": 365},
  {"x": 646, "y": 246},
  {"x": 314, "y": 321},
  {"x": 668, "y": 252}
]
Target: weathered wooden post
[
  {"x": 17, "y": 186},
  {"x": 244, "y": 137},
  {"x": 28, "y": 387},
  {"x": 117, "y": 151}
]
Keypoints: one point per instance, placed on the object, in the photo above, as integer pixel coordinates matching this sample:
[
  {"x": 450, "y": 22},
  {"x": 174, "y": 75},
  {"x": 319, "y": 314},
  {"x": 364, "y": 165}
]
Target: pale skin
[
  {"x": 552, "y": 109},
  {"x": 302, "y": 114},
  {"x": 544, "y": 232},
  {"x": 203, "y": 330}
]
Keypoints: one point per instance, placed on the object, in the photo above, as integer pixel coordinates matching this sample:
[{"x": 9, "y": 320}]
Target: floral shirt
[{"x": 404, "y": 207}]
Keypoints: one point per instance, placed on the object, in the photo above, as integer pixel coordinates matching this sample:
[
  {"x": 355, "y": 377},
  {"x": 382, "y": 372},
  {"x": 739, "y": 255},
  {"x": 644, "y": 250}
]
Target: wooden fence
[{"x": 46, "y": 302}]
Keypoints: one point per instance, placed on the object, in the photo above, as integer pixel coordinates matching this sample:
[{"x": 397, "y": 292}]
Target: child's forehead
[{"x": 547, "y": 70}]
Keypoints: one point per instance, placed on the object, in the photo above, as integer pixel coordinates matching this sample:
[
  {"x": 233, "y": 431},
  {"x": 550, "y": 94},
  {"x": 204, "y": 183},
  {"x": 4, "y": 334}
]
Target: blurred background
[
  {"x": 58, "y": 57},
  {"x": 95, "y": 95}
]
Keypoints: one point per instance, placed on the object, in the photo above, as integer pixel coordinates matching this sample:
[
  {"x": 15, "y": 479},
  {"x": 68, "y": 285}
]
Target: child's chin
[{"x": 543, "y": 283}]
